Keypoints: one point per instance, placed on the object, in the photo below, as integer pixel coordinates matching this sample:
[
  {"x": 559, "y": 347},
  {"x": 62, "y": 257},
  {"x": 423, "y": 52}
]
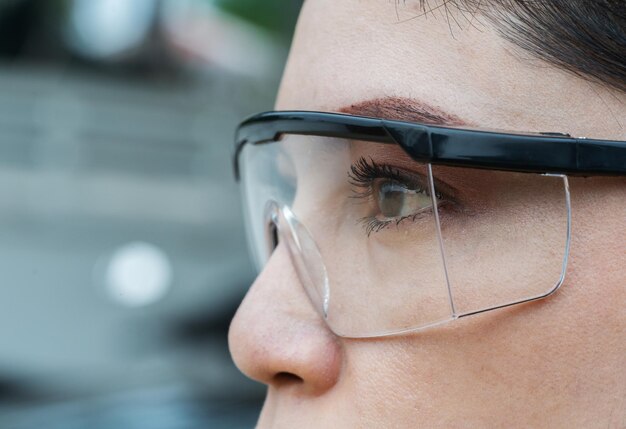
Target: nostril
[{"x": 286, "y": 378}]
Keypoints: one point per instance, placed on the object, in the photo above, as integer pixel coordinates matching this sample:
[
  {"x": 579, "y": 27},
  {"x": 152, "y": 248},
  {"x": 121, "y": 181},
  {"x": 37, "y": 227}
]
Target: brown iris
[{"x": 398, "y": 200}]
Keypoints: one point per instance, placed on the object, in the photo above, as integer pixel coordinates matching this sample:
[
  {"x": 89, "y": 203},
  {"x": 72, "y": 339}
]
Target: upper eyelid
[
  {"x": 442, "y": 188},
  {"x": 365, "y": 169}
]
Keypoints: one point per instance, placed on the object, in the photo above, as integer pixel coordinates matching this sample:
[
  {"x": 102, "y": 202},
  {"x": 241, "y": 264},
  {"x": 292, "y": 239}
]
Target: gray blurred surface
[
  {"x": 167, "y": 408},
  {"x": 89, "y": 163},
  {"x": 116, "y": 189}
]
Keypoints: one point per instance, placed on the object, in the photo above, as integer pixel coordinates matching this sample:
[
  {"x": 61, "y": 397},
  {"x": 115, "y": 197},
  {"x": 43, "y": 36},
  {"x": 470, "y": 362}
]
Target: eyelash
[{"x": 362, "y": 175}]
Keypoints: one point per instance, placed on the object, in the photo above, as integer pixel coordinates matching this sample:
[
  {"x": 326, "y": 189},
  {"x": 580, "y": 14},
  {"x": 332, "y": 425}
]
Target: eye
[
  {"x": 392, "y": 195},
  {"x": 397, "y": 200}
]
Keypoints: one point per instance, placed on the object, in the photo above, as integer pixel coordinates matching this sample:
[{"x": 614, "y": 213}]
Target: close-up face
[{"x": 371, "y": 309}]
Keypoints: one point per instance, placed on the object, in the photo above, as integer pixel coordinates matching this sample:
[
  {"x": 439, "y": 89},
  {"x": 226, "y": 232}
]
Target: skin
[{"x": 559, "y": 362}]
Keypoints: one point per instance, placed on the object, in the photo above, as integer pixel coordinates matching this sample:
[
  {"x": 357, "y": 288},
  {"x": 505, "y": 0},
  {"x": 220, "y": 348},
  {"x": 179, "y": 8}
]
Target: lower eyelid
[
  {"x": 422, "y": 214},
  {"x": 373, "y": 225}
]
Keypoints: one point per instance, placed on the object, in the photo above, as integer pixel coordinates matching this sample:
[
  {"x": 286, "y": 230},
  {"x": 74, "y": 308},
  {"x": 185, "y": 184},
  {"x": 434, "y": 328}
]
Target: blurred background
[{"x": 122, "y": 249}]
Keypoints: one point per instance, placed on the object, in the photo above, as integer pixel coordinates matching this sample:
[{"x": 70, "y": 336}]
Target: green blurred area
[{"x": 276, "y": 16}]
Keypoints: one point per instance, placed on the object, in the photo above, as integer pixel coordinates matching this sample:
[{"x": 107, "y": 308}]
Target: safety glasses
[{"x": 395, "y": 226}]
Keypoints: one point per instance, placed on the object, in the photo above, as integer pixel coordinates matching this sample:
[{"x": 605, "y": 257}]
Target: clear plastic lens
[
  {"x": 267, "y": 179},
  {"x": 507, "y": 241},
  {"x": 461, "y": 241}
]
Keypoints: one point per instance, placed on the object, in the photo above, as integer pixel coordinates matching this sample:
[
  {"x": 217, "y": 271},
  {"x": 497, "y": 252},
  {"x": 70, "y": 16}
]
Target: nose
[{"x": 277, "y": 337}]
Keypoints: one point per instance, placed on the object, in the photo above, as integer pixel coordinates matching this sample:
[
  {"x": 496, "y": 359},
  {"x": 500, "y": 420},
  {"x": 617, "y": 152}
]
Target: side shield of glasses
[{"x": 385, "y": 244}]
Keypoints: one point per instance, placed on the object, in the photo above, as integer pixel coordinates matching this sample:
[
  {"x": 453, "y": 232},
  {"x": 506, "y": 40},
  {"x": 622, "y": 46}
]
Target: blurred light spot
[
  {"x": 199, "y": 30},
  {"x": 105, "y": 28},
  {"x": 138, "y": 274}
]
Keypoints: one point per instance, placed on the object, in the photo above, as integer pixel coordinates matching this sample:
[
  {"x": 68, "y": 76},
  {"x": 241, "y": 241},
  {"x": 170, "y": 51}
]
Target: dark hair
[{"x": 585, "y": 37}]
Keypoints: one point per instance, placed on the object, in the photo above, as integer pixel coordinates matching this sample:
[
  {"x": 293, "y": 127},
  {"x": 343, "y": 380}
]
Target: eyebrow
[{"x": 403, "y": 109}]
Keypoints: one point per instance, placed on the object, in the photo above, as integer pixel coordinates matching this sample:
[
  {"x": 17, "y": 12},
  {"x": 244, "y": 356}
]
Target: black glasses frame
[{"x": 548, "y": 153}]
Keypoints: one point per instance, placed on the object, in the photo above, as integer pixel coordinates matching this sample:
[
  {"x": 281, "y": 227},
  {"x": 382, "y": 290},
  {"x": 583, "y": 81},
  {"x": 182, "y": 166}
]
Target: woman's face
[{"x": 559, "y": 362}]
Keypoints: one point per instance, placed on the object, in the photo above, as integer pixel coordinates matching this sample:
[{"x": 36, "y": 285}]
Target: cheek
[
  {"x": 597, "y": 272},
  {"x": 546, "y": 360},
  {"x": 487, "y": 373}
]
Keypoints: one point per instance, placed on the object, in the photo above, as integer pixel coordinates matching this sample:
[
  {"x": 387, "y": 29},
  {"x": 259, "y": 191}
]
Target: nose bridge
[{"x": 284, "y": 226}]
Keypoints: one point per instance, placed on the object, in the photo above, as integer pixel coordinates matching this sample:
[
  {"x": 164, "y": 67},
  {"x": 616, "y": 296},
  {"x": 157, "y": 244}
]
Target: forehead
[{"x": 351, "y": 51}]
